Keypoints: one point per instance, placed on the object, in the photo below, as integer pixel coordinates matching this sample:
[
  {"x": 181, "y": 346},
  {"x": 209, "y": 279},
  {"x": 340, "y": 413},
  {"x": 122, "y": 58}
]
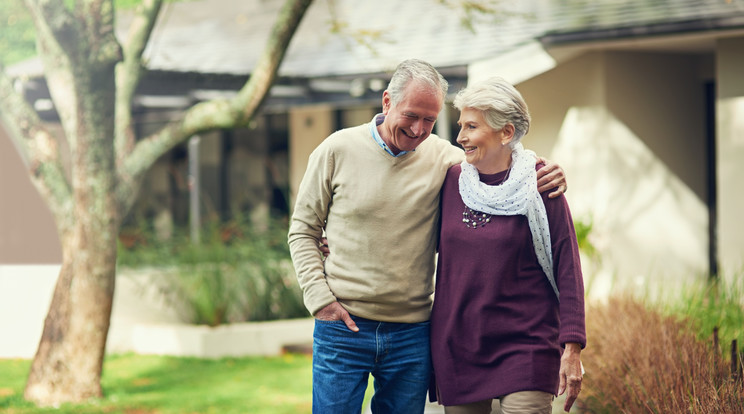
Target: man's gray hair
[
  {"x": 418, "y": 70},
  {"x": 500, "y": 104}
]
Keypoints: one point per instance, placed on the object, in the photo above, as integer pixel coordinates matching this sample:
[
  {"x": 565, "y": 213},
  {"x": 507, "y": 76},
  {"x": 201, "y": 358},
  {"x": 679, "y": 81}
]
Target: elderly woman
[{"x": 508, "y": 316}]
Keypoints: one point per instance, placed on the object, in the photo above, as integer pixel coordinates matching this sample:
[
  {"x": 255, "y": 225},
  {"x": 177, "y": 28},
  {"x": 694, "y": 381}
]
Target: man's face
[{"x": 411, "y": 121}]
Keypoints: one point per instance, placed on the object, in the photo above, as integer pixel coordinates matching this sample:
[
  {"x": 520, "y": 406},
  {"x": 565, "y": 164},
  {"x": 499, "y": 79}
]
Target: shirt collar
[{"x": 377, "y": 120}]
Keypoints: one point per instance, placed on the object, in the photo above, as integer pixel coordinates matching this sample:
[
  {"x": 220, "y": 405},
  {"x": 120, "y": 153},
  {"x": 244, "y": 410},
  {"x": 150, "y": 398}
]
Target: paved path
[
  {"x": 431, "y": 408},
  {"x": 434, "y": 408}
]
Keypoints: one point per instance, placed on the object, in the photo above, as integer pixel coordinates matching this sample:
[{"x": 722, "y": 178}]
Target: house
[{"x": 642, "y": 104}]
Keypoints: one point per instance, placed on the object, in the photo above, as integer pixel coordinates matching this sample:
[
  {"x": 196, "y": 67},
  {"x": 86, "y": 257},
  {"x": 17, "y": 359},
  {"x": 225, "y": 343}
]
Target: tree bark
[{"x": 69, "y": 361}]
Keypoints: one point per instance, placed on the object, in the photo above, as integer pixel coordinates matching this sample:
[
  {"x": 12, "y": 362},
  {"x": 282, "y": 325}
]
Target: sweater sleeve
[
  {"x": 567, "y": 270},
  {"x": 314, "y": 197}
]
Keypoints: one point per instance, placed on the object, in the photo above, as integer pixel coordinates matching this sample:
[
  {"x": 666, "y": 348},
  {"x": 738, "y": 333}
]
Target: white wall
[
  {"x": 25, "y": 293},
  {"x": 141, "y": 321}
]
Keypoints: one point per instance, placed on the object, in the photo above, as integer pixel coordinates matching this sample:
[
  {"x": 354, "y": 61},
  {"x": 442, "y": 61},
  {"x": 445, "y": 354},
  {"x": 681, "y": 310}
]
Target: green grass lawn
[{"x": 135, "y": 384}]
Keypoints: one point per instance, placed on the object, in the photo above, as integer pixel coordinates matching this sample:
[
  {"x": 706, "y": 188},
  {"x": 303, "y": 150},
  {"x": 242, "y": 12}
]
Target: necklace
[{"x": 474, "y": 219}]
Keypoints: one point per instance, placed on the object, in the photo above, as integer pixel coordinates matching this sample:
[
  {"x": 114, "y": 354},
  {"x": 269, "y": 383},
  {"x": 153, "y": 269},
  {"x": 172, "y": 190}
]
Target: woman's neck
[{"x": 500, "y": 165}]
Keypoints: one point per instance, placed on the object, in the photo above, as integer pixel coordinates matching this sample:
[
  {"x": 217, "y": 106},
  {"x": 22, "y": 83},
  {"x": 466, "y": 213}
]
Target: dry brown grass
[{"x": 638, "y": 361}]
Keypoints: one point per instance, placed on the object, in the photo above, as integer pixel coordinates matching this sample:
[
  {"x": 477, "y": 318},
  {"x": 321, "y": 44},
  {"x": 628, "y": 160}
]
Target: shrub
[
  {"x": 640, "y": 361},
  {"x": 238, "y": 272}
]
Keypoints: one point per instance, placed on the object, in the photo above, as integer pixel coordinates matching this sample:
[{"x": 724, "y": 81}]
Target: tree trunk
[{"x": 68, "y": 363}]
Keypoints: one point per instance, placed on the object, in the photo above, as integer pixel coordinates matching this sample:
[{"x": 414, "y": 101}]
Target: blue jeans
[{"x": 396, "y": 354}]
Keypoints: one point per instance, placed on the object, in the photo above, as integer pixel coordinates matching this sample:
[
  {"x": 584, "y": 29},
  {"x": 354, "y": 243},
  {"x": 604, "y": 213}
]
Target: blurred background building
[{"x": 641, "y": 102}]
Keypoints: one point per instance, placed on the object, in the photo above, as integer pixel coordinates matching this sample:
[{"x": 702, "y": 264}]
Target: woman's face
[
  {"x": 485, "y": 148},
  {"x": 411, "y": 121}
]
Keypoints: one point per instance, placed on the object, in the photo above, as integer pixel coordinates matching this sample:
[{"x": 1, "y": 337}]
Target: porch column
[
  {"x": 730, "y": 154},
  {"x": 308, "y": 127}
]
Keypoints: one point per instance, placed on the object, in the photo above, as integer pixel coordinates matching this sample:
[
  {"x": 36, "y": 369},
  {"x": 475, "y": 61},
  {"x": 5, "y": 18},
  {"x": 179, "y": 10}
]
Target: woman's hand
[
  {"x": 571, "y": 374},
  {"x": 549, "y": 177},
  {"x": 323, "y": 247}
]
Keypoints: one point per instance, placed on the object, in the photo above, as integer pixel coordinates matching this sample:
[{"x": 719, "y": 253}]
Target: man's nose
[{"x": 418, "y": 128}]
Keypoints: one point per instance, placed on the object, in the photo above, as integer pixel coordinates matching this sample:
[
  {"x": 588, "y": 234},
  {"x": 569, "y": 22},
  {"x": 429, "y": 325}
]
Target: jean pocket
[
  {"x": 333, "y": 331},
  {"x": 337, "y": 321}
]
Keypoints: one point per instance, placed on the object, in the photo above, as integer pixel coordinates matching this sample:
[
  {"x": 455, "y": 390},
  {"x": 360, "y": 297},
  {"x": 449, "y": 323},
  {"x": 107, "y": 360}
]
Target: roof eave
[{"x": 708, "y": 25}]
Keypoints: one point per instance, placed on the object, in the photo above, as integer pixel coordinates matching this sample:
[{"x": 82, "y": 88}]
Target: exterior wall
[
  {"x": 660, "y": 98},
  {"x": 28, "y": 234},
  {"x": 730, "y": 154},
  {"x": 630, "y": 137}
]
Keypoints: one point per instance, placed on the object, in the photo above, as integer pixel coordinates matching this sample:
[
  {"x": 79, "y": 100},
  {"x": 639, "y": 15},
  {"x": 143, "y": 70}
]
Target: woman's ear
[{"x": 507, "y": 134}]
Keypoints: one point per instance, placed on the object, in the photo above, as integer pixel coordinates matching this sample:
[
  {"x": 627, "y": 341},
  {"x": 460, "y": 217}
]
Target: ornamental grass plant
[
  {"x": 237, "y": 272},
  {"x": 641, "y": 360}
]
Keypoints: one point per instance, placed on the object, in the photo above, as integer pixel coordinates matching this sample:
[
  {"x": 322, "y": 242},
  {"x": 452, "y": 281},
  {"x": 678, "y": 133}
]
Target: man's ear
[{"x": 386, "y": 102}]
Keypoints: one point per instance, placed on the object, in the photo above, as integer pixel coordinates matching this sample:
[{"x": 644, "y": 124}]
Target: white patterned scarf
[{"x": 516, "y": 196}]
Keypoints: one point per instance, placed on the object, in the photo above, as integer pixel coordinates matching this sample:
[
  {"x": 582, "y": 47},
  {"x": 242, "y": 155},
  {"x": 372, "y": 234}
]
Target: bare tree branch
[
  {"x": 218, "y": 113},
  {"x": 253, "y": 93},
  {"x": 53, "y": 20},
  {"x": 38, "y": 148},
  {"x": 129, "y": 73},
  {"x": 56, "y": 35}
]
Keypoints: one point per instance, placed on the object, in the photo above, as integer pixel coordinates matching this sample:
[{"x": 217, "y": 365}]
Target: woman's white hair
[
  {"x": 500, "y": 103},
  {"x": 415, "y": 70}
]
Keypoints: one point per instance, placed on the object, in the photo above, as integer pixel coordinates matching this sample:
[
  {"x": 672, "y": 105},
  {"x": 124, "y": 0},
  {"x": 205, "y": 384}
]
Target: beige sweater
[{"x": 380, "y": 215}]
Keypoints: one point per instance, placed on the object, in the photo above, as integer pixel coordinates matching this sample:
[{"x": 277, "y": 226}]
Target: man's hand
[
  {"x": 570, "y": 374},
  {"x": 336, "y": 312},
  {"x": 549, "y": 177}
]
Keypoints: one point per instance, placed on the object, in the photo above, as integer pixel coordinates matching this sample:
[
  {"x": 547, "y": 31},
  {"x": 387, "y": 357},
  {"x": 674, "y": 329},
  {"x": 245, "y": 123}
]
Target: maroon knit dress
[{"x": 497, "y": 326}]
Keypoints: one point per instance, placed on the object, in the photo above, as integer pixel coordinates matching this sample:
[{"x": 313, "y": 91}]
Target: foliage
[
  {"x": 17, "y": 39},
  {"x": 239, "y": 272},
  {"x": 641, "y": 361},
  {"x": 716, "y": 305},
  {"x": 169, "y": 385},
  {"x": 583, "y": 230}
]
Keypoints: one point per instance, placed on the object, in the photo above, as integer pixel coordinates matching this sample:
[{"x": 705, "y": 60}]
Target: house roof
[
  {"x": 226, "y": 36},
  {"x": 223, "y": 39}
]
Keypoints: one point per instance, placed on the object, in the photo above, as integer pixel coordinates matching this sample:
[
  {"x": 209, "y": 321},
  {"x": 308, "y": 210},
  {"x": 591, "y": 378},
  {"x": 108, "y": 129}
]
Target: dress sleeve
[
  {"x": 306, "y": 228},
  {"x": 567, "y": 270}
]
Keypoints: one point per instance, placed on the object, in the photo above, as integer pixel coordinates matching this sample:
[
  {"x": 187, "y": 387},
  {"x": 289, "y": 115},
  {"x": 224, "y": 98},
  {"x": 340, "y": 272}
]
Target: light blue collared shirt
[{"x": 377, "y": 120}]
